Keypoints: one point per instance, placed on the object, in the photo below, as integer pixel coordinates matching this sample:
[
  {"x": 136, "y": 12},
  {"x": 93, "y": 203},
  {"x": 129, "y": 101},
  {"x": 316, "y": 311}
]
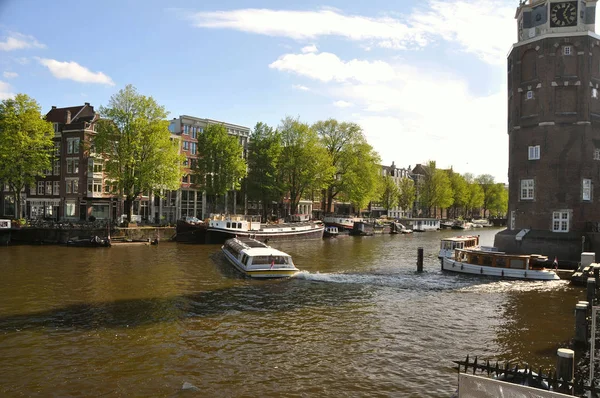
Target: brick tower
[{"x": 553, "y": 129}]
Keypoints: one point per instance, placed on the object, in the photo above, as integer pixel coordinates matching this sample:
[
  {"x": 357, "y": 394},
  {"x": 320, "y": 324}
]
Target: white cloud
[
  {"x": 300, "y": 87},
  {"x": 484, "y": 28},
  {"x": 342, "y": 104},
  {"x": 413, "y": 114},
  {"x": 18, "y": 41},
  {"x": 74, "y": 71},
  {"x": 21, "y": 60},
  {"x": 310, "y": 49},
  {"x": 10, "y": 75},
  {"x": 328, "y": 67},
  {"x": 5, "y": 92}
]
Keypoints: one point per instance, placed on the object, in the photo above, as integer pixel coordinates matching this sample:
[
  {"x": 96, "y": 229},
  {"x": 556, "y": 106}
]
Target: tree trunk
[
  {"x": 128, "y": 207},
  {"x": 18, "y": 204}
]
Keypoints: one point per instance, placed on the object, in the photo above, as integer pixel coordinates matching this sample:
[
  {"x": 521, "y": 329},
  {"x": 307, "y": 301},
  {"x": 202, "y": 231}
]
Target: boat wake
[{"x": 412, "y": 281}]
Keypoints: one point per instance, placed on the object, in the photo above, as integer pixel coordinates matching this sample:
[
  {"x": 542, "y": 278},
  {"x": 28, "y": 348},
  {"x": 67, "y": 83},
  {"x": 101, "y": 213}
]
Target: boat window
[
  {"x": 517, "y": 263},
  {"x": 487, "y": 260},
  {"x": 228, "y": 224},
  {"x": 239, "y": 225},
  {"x": 500, "y": 262}
]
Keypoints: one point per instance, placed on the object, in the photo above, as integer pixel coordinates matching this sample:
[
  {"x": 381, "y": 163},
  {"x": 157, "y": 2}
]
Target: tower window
[
  {"x": 597, "y": 154},
  {"x": 534, "y": 152},
  {"x": 594, "y": 93},
  {"x": 567, "y": 50},
  {"x": 527, "y": 189},
  {"x": 560, "y": 221},
  {"x": 530, "y": 95},
  {"x": 586, "y": 189}
]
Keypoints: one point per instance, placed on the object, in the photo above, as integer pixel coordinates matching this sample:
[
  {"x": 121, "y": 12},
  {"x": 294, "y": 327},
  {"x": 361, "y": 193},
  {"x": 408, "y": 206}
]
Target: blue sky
[{"x": 425, "y": 79}]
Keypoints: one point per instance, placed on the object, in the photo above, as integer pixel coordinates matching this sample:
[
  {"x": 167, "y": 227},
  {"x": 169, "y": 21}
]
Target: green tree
[
  {"x": 305, "y": 164},
  {"x": 134, "y": 139},
  {"x": 25, "y": 145},
  {"x": 264, "y": 154},
  {"x": 474, "y": 194},
  {"x": 436, "y": 190},
  {"x": 408, "y": 194},
  {"x": 490, "y": 191},
  {"x": 221, "y": 165},
  {"x": 460, "y": 190},
  {"x": 390, "y": 196},
  {"x": 341, "y": 141},
  {"x": 498, "y": 206}
]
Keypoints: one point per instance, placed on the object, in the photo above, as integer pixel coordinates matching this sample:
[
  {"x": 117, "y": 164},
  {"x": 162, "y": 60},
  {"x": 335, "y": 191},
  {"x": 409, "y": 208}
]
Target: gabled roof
[{"x": 79, "y": 114}]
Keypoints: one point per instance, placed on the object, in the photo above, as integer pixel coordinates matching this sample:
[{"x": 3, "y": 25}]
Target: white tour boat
[
  {"x": 500, "y": 264},
  {"x": 258, "y": 260},
  {"x": 448, "y": 245}
]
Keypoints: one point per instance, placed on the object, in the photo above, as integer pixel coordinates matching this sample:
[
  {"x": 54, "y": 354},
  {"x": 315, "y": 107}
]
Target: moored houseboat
[
  {"x": 258, "y": 260},
  {"x": 341, "y": 222},
  {"x": 220, "y": 228},
  {"x": 499, "y": 264},
  {"x": 362, "y": 228},
  {"x": 421, "y": 224}
]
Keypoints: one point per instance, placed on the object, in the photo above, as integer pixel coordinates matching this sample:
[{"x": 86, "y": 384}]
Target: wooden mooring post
[
  {"x": 581, "y": 324},
  {"x": 591, "y": 290},
  {"x": 565, "y": 368},
  {"x": 420, "y": 259}
]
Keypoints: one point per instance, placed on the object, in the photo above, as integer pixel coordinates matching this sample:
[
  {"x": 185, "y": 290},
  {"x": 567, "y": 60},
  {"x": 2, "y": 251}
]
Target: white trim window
[
  {"x": 586, "y": 189},
  {"x": 527, "y": 189},
  {"x": 596, "y": 153},
  {"x": 57, "y": 148},
  {"x": 529, "y": 95},
  {"x": 72, "y": 145},
  {"x": 534, "y": 152},
  {"x": 57, "y": 167},
  {"x": 513, "y": 219},
  {"x": 567, "y": 50},
  {"x": 594, "y": 93},
  {"x": 40, "y": 188},
  {"x": 69, "y": 166},
  {"x": 560, "y": 221},
  {"x": 49, "y": 187},
  {"x": 56, "y": 188}
]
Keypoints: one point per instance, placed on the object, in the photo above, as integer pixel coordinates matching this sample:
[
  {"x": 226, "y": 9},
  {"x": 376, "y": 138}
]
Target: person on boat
[{"x": 555, "y": 263}]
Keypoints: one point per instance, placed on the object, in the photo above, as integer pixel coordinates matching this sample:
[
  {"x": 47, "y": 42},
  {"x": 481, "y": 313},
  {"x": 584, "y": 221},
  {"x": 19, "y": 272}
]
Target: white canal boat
[
  {"x": 499, "y": 264},
  {"x": 448, "y": 245},
  {"x": 258, "y": 260}
]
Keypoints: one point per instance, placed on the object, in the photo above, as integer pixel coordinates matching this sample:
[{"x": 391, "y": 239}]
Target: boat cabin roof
[
  {"x": 461, "y": 238},
  {"x": 253, "y": 247}
]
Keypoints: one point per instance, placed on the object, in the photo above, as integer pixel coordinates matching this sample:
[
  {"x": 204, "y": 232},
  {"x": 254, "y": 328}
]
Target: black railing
[{"x": 527, "y": 377}]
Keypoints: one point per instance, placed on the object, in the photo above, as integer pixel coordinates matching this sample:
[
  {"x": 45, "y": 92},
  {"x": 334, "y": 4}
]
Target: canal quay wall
[{"x": 49, "y": 236}]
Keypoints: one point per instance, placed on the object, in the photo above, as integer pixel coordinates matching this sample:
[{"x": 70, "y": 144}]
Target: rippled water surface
[{"x": 357, "y": 321}]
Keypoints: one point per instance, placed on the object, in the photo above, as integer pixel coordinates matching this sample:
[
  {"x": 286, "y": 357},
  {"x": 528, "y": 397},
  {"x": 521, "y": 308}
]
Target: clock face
[{"x": 563, "y": 14}]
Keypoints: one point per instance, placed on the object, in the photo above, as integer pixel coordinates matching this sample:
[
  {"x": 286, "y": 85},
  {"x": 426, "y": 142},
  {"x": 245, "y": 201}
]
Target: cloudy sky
[{"x": 425, "y": 79}]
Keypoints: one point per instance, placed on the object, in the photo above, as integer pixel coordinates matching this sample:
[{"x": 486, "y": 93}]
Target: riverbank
[{"x": 58, "y": 236}]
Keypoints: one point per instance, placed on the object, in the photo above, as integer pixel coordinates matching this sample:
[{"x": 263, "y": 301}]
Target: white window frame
[
  {"x": 49, "y": 187},
  {"x": 586, "y": 189},
  {"x": 596, "y": 153},
  {"x": 56, "y": 188},
  {"x": 560, "y": 221},
  {"x": 527, "y": 189},
  {"x": 594, "y": 93},
  {"x": 56, "y": 168},
  {"x": 40, "y": 188},
  {"x": 534, "y": 152},
  {"x": 75, "y": 186},
  {"x": 57, "y": 148},
  {"x": 567, "y": 50},
  {"x": 75, "y": 166},
  {"x": 529, "y": 95},
  {"x": 69, "y": 166},
  {"x": 513, "y": 219}
]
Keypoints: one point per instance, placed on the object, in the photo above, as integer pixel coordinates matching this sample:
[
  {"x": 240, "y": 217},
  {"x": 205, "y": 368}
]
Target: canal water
[{"x": 357, "y": 321}]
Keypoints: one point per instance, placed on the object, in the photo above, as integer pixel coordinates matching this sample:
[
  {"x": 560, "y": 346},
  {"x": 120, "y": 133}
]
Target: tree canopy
[
  {"x": 305, "y": 164},
  {"x": 221, "y": 165},
  {"x": 134, "y": 140},
  {"x": 25, "y": 144}
]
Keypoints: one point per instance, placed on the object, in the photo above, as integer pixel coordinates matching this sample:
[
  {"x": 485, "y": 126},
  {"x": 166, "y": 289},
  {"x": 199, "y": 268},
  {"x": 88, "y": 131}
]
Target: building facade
[
  {"x": 189, "y": 200},
  {"x": 554, "y": 119}
]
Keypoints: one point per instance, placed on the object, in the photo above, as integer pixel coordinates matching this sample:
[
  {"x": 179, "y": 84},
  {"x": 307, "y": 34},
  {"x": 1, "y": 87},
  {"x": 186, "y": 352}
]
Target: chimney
[
  {"x": 87, "y": 104},
  {"x": 53, "y": 106},
  {"x": 68, "y": 117}
]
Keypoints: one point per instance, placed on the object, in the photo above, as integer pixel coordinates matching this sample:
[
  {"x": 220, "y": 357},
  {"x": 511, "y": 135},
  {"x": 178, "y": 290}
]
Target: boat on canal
[
  {"x": 258, "y": 260},
  {"x": 499, "y": 264},
  {"x": 362, "y": 228},
  {"x": 343, "y": 223},
  {"x": 220, "y": 228},
  {"x": 448, "y": 245}
]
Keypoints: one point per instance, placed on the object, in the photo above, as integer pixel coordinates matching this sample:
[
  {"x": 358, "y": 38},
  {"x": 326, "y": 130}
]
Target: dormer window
[{"x": 567, "y": 50}]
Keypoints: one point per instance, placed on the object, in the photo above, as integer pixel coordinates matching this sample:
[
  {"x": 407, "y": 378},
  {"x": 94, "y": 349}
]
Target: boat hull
[
  {"x": 218, "y": 236},
  {"x": 452, "y": 265}
]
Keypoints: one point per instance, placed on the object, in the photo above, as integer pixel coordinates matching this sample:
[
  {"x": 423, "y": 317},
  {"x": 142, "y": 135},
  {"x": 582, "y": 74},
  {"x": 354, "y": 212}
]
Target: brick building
[{"x": 553, "y": 128}]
